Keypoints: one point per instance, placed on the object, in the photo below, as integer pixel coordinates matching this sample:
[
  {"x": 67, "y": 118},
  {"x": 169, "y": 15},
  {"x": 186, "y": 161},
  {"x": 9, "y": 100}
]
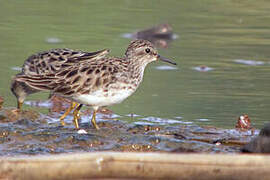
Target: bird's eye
[{"x": 147, "y": 50}]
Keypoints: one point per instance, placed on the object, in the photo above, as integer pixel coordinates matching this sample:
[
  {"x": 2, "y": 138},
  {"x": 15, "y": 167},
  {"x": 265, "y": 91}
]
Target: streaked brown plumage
[
  {"x": 100, "y": 82},
  {"x": 49, "y": 62}
]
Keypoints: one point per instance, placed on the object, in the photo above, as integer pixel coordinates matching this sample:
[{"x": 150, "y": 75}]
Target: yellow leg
[
  {"x": 76, "y": 115},
  {"x": 72, "y": 106},
  {"x": 19, "y": 105},
  {"x": 93, "y": 120},
  {"x": 77, "y": 112}
]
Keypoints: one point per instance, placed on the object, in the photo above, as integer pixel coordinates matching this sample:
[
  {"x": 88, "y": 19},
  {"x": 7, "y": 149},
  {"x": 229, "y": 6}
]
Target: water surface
[{"x": 211, "y": 33}]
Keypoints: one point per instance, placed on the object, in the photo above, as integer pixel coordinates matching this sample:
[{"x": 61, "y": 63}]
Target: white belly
[{"x": 99, "y": 98}]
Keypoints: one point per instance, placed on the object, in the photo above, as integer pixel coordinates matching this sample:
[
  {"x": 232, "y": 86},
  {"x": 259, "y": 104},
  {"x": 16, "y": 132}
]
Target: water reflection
[{"x": 160, "y": 35}]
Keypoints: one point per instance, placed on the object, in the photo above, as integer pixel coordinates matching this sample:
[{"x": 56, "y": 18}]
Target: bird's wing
[
  {"x": 80, "y": 79},
  {"x": 49, "y": 62}
]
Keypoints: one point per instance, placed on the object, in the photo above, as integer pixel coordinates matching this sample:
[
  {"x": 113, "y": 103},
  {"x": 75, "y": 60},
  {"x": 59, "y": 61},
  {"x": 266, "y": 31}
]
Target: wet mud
[{"x": 30, "y": 132}]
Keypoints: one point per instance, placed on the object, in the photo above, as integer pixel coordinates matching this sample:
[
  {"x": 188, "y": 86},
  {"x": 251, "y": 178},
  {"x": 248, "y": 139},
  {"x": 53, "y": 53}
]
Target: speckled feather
[
  {"x": 48, "y": 62},
  {"x": 99, "y": 82}
]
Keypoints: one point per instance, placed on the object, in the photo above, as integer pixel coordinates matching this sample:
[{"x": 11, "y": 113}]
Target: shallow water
[{"x": 210, "y": 33}]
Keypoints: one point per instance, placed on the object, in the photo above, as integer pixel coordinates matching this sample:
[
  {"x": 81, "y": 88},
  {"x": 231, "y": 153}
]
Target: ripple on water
[
  {"x": 133, "y": 115},
  {"x": 45, "y": 104},
  {"x": 202, "y": 68},
  {"x": 128, "y": 35},
  {"x": 53, "y": 40},
  {"x": 143, "y": 123},
  {"x": 162, "y": 121},
  {"x": 179, "y": 117},
  {"x": 165, "y": 67},
  {"x": 249, "y": 62},
  {"x": 16, "y": 68},
  {"x": 203, "y": 120},
  {"x": 236, "y": 132}
]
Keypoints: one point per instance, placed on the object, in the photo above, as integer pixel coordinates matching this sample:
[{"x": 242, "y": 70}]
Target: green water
[{"x": 212, "y": 33}]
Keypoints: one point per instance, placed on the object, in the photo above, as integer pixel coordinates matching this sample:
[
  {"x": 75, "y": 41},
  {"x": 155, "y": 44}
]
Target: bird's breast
[{"x": 103, "y": 97}]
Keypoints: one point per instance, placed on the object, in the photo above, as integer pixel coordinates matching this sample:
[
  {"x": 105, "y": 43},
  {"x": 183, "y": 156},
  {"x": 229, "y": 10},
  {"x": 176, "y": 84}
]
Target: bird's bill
[{"x": 166, "y": 60}]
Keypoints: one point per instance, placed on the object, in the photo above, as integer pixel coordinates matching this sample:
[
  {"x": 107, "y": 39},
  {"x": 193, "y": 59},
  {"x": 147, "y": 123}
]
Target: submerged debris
[
  {"x": 159, "y": 31},
  {"x": 160, "y": 35},
  {"x": 202, "y": 68}
]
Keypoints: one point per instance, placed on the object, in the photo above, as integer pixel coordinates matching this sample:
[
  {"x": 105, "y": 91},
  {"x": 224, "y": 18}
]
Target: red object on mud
[{"x": 243, "y": 123}]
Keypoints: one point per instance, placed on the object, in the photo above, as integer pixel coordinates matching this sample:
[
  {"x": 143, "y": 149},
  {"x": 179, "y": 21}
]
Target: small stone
[{"x": 81, "y": 131}]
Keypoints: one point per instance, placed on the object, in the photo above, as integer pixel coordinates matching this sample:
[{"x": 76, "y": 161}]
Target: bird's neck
[{"x": 136, "y": 68}]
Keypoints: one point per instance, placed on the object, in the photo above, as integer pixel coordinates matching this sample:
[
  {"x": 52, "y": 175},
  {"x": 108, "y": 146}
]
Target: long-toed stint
[
  {"x": 98, "y": 82},
  {"x": 50, "y": 62}
]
